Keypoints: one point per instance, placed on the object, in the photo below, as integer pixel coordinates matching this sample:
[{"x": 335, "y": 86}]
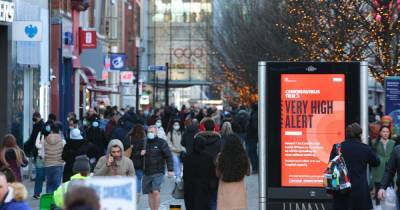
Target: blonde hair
[
  {"x": 20, "y": 193},
  {"x": 226, "y": 128},
  {"x": 9, "y": 142}
]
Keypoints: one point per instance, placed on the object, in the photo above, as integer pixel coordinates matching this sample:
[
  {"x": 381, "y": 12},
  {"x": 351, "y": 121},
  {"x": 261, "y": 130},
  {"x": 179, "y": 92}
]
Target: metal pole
[
  {"x": 154, "y": 88},
  {"x": 166, "y": 85},
  {"x": 262, "y": 134},
  {"x": 364, "y": 100},
  {"x": 137, "y": 81}
]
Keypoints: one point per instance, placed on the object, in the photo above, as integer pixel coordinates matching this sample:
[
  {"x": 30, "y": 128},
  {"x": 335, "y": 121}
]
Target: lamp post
[
  {"x": 137, "y": 80},
  {"x": 167, "y": 85}
]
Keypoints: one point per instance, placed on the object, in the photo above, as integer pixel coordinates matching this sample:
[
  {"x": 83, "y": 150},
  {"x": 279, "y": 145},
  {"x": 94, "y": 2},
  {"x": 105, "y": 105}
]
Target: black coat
[
  {"x": 157, "y": 153},
  {"x": 212, "y": 142},
  {"x": 136, "y": 157},
  {"x": 392, "y": 167},
  {"x": 357, "y": 156},
  {"x": 188, "y": 137},
  {"x": 29, "y": 146},
  {"x": 75, "y": 148},
  {"x": 199, "y": 178}
]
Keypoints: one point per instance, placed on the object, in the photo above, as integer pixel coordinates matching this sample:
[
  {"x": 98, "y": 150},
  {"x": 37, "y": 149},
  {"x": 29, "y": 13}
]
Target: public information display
[{"x": 307, "y": 107}]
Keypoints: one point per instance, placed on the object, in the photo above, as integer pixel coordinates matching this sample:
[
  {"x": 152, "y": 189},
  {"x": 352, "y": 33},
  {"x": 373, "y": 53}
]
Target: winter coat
[
  {"x": 377, "y": 146},
  {"x": 188, "y": 137},
  {"x": 157, "y": 153},
  {"x": 161, "y": 133},
  {"x": 212, "y": 141},
  {"x": 174, "y": 142},
  {"x": 121, "y": 167},
  {"x": 121, "y": 132},
  {"x": 74, "y": 148},
  {"x": 392, "y": 167},
  {"x": 252, "y": 127},
  {"x": 136, "y": 157},
  {"x": 15, "y": 198},
  {"x": 53, "y": 148},
  {"x": 58, "y": 195},
  {"x": 11, "y": 159},
  {"x": 29, "y": 146},
  {"x": 199, "y": 177},
  {"x": 357, "y": 156},
  {"x": 97, "y": 136}
]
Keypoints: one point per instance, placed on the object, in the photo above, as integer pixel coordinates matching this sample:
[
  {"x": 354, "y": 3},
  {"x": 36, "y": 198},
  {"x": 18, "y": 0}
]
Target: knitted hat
[
  {"x": 81, "y": 164},
  {"x": 75, "y": 134}
]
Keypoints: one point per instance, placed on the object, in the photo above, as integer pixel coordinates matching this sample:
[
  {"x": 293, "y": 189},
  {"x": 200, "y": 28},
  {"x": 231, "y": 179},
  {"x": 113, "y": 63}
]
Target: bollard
[{"x": 174, "y": 207}]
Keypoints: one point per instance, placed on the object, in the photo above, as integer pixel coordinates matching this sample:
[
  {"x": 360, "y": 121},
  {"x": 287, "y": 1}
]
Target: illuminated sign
[
  {"x": 7, "y": 11},
  {"x": 312, "y": 120}
]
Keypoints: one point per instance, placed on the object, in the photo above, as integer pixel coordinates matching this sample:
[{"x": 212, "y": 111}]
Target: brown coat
[{"x": 231, "y": 195}]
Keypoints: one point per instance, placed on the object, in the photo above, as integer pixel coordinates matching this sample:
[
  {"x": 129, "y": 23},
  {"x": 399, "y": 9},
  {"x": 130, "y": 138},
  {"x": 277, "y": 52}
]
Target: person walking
[
  {"x": 12, "y": 156},
  {"x": 232, "y": 166},
  {"x": 114, "y": 163},
  {"x": 157, "y": 154},
  {"x": 53, "y": 162},
  {"x": 174, "y": 139},
  {"x": 252, "y": 138},
  {"x": 357, "y": 156},
  {"x": 188, "y": 135},
  {"x": 383, "y": 147},
  {"x": 137, "y": 138},
  {"x": 226, "y": 130}
]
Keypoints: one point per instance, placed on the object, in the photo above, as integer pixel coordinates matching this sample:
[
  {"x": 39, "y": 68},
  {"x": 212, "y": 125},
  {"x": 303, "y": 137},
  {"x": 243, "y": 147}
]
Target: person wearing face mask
[
  {"x": 156, "y": 155},
  {"x": 97, "y": 136},
  {"x": 174, "y": 139},
  {"x": 160, "y": 130}
]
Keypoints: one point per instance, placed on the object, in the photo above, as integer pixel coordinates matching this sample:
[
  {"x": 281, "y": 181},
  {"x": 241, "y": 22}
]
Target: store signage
[
  {"x": 27, "y": 31},
  {"x": 88, "y": 39},
  {"x": 157, "y": 68},
  {"x": 7, "y": 11},
  {"x": 392, "y": 101},
  {"x": 126, "y": 76},
  {"x": 117, "y": 61}
]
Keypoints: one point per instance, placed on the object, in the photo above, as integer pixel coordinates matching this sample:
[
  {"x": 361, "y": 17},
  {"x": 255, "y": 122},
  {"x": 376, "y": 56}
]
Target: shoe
[{"x": 36, "y": 196}]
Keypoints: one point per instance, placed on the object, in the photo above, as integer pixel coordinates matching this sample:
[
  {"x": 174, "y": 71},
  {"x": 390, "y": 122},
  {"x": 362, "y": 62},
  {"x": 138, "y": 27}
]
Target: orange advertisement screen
[{"x": 313, "y": 119}]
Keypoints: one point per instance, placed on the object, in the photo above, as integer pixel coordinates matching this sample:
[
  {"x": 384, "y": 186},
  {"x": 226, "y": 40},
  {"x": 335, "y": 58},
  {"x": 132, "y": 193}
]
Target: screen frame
[{"x": 351, "y": 72}]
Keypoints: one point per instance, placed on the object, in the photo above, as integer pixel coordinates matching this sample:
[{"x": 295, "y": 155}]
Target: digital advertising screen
[{"x": 312, "y": 120}]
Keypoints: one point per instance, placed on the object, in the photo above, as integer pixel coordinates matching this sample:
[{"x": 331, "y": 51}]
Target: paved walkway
[{"x": 166, "y": 198}]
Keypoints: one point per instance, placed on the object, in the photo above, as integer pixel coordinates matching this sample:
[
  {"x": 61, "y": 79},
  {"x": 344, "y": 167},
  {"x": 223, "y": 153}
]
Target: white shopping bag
[{"x": 390, "y": 202}]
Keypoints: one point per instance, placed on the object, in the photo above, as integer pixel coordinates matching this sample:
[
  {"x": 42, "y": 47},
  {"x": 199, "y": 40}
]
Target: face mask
[
  {"x": 95, "y": 124},
  {"x": 176, "y": 127},
  {"x": 48, "y": 129},
  {"x": 68, "y": 118},
  {"x": 158, "y": 124},
  {"x": 84, "y": 122},
  {"x": 151, "y": 136},
  {"x": 146, "y": 113},
  {"x": 33, "y": 119}
]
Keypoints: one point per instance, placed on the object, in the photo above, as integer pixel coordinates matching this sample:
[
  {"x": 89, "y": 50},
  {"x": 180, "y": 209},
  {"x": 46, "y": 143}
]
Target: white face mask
[
  {"x": 151, "y": 136},
  {"x": 158, "y": 124},
  {"x": 176, "y": 127}
]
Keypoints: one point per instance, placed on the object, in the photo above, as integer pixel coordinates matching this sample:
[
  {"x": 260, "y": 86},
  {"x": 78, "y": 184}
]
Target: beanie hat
[
  {"x": 75, "y": 134},
  {"x": 81, "y": 164}
]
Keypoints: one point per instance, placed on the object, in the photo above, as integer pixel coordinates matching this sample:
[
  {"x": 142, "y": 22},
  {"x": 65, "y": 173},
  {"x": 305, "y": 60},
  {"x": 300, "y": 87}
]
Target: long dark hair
[
  {"x": 137, "y": 133},
  {"x": 233, "y": 163},
  {"x": 10, "y": 143}
]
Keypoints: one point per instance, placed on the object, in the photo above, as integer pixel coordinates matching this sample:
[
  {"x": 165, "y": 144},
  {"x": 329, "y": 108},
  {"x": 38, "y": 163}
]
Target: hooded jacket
[
  {"x": 212, "y": 142},
  {"x": 121, "y": 167},
  {"x": 15, "y": 198},
  {"x": 53, "y": 148},
  {"x": 188, "y": 138}
]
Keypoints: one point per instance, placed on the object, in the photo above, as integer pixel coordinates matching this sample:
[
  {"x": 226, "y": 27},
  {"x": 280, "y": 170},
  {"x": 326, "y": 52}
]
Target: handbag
[
  {"x": 178, "y": 191},
  {"x": 390, "y": 202}
]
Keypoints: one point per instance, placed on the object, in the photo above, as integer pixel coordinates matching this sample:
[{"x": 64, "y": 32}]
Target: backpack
[{"x": 336, "y": 178}]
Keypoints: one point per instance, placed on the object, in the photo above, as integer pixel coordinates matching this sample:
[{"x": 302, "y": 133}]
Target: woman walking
[
  {"x": 174, "y": 139},
  {"x": 137, "y": 137},
  {"x": 226, "y": 130},
  {"x": 12, "y": 156},
  {"x": 232, "y": 166},
  {"x": 383, "y": 146}
]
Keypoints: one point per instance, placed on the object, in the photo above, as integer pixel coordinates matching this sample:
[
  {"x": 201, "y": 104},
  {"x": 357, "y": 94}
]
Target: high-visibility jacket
[{"x": 62, "y": 189}]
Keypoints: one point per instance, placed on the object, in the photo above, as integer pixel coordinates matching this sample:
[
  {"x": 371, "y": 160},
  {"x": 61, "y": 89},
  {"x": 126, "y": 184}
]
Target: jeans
[
  {"x": 54, "y": 176},
  {"x": 39, "y": 179},
  {"x": 213, "y": 202},
  {"x": 139, "y": 176},
  {"x": 177, "y": 165},
  {"x": 251, "y": 148}
]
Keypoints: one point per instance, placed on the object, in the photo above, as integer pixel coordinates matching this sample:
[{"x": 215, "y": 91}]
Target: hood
[
  {"x": 192, "y": 129},
  {"x": 114, "y": 142},
  {"x": 53, "y": 139},
  {"x": 78, "y": 176},
  {"x": 209, "y": 137}
]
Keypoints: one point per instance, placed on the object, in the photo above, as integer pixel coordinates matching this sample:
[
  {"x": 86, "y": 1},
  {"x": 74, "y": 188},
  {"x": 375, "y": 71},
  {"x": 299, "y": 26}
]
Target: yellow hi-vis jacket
[{"x": 62, "y": 189}]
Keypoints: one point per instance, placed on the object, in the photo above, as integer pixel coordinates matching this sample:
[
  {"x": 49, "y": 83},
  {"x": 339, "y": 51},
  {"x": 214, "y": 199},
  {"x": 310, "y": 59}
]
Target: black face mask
[{"x": 33, "y": 119}]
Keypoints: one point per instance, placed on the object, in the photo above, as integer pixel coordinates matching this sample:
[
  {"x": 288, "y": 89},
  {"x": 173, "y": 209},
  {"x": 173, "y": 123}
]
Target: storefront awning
[{"x": 88, "y": 76}]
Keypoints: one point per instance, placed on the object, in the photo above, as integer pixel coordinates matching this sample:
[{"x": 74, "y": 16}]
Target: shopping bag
[
  {"x": 390, "y": 202},
  {"x": 178, "y": 192}
]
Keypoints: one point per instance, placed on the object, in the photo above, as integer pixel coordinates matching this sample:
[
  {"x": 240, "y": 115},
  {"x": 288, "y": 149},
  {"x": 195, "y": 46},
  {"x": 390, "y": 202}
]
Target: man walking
[
  {"x": 157, "y": 153},
  {"x": 114, "y": 163}
]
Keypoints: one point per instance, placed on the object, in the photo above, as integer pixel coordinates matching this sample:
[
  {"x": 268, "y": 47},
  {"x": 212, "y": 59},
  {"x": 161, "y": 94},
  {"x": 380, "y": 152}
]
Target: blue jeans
[
  {"x": 177, "y": 165},
  {"x": 251, "y": 148},
  {"x": 139, "y": 176},
  {"x": 54, "y": 176},
  {"x": 39, "y": 179},
  {"x": 213, "y": 202}
]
